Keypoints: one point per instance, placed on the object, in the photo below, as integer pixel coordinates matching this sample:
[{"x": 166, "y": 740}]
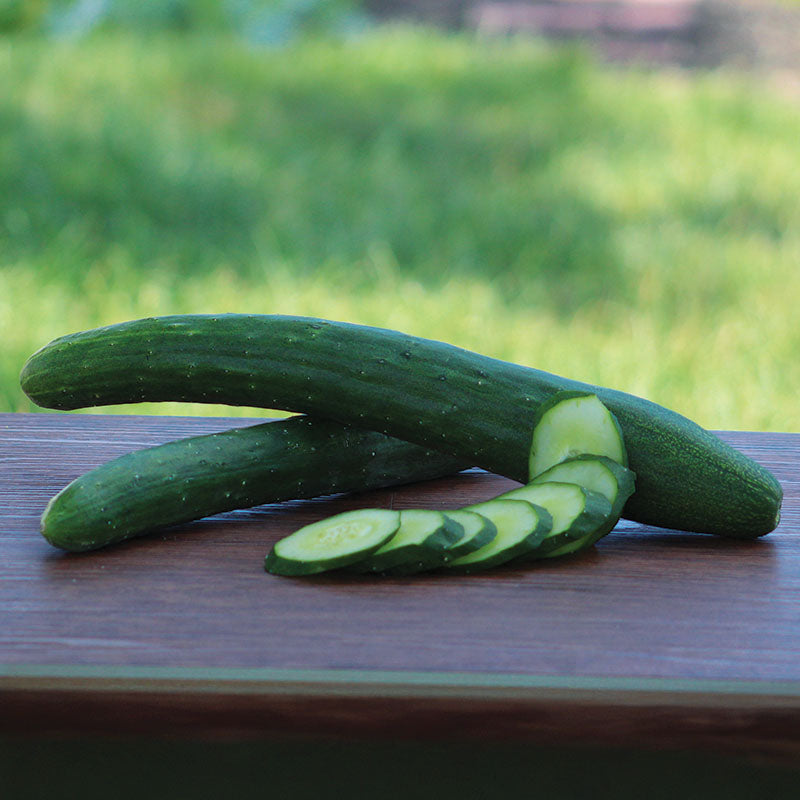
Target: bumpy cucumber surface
[
  {"x": 199, "y": 476},
  {"x": 477, "y": 408}
]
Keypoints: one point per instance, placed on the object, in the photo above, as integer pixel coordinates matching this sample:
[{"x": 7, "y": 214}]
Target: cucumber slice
[
  {"x": 478, "y": 531},
  {"x": 576, "y": 511},
  {"x": 419, "y": 543},
  {"x": 521, "y": 527},
  {"x": 571, "y": 424},
  {"x": 576, "y": 546},
  {"x": 598, "y": 474},
  {"x": 333, "y": 542}
]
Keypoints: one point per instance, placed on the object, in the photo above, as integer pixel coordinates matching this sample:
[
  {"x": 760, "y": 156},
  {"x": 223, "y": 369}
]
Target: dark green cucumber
[
  {"x": 203, "y": 475},
  {"x": 477, "y": 408},
  {"x": 333, "y": 543}
]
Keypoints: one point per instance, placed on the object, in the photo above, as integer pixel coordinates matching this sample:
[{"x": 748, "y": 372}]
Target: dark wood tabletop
[{"x": 653, "y": 639}]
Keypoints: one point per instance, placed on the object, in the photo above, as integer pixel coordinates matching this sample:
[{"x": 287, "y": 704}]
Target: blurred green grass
[{"x": 638, "y": 230}]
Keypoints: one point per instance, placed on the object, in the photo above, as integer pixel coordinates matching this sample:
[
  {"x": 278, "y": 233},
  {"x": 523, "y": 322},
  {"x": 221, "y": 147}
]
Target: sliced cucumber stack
[
  {"x": 334, "y": 542},
  {"x": 576, "y": 511},
  {"x": 598, "y": 474},
  {"x": 521, "y": 527},
  {"x": 575, "y": 497},
  {"x": 420, "y": 542},
  {"x": 475, "y": 532},
  {"x": 479, "y": 530}
]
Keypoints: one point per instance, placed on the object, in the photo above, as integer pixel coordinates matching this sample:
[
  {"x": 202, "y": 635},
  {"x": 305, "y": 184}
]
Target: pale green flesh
[
  {"x": 344, "y": 534},
  {"x": 564, "y": 501},
  {"x": 514, "y": 520},
  {"x": 416, "y": 526},
  {"x": 575, "y": 426},
  {"x": 592, "y": 475}
]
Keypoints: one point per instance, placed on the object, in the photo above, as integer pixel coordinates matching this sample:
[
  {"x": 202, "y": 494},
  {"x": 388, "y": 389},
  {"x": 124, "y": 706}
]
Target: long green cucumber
[
  {"x": 199, "y": 476},
  {"x": 475, "y": 407}
]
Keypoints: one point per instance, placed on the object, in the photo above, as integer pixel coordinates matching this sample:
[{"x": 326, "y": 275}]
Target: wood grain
[{"x": 704, "y": 627}]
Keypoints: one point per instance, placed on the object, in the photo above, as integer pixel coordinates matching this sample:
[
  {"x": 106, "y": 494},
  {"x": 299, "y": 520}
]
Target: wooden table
[{"x": 656, "y": 640}]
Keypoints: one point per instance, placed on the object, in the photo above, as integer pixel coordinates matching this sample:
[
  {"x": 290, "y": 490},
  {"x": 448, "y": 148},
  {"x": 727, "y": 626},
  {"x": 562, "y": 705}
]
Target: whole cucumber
[
  {"x": 199, "y": 476},
  {"x": 474, "y": 407}
]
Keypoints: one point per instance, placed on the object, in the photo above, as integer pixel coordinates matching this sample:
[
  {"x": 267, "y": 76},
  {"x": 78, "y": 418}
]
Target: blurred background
[{"x": 608, "y": 190}]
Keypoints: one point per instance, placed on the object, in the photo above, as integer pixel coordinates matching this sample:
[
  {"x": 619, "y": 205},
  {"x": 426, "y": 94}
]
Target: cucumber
[
  {"x": 599, "y": 474},
  {"x": 199, "y": 476},
  {"x": 476, "y": 408},
  {"x": 478, "y": 531},
  {"x": 576, "y": 512},
  {"x": 577, "y": 546},
  {"x": 421, "y": 540},
  {"x": 571, "y": 424},
  {"x": 521, "y": 527},
  {"x": 333, "y": 543}
]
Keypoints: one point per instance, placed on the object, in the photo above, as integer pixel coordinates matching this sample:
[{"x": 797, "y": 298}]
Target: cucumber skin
[
  {"x": 199, "y": 476},
  {"x": 475, "y": 407}
]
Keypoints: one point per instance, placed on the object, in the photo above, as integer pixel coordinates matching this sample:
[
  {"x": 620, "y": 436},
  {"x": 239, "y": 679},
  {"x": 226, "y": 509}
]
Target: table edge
[{"x": 398, "y": 683}]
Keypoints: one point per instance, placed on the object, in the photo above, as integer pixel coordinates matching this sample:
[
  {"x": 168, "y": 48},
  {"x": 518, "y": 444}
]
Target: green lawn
[{"x": 636, "y": 230}]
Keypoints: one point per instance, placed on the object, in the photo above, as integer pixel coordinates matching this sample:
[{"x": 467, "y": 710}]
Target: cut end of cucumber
[
  {"x": 333, "y": 543},
  {"x": 571, "y": 424}
]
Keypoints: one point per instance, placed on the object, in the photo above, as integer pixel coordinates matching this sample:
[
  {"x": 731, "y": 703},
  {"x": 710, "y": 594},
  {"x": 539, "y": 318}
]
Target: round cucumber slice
[
  {"x": 474, "y": 531},
  {"x": 520, "y": 525},
  {"x": 419, "y": 543},
  {"x": 576, "y": 511},
  {"x": 478, "y": 531},
  {"x": 570, "y": 424},
  {"x": 598, "y": 474},
  {"x": 333, "y": 543}
]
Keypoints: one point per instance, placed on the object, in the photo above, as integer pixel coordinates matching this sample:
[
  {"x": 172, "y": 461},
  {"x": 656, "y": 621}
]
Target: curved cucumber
[
  {"x": 203, "y": 475},
  {"x": 477, "y": 408},
  {"x": 333, "y": 543}
]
